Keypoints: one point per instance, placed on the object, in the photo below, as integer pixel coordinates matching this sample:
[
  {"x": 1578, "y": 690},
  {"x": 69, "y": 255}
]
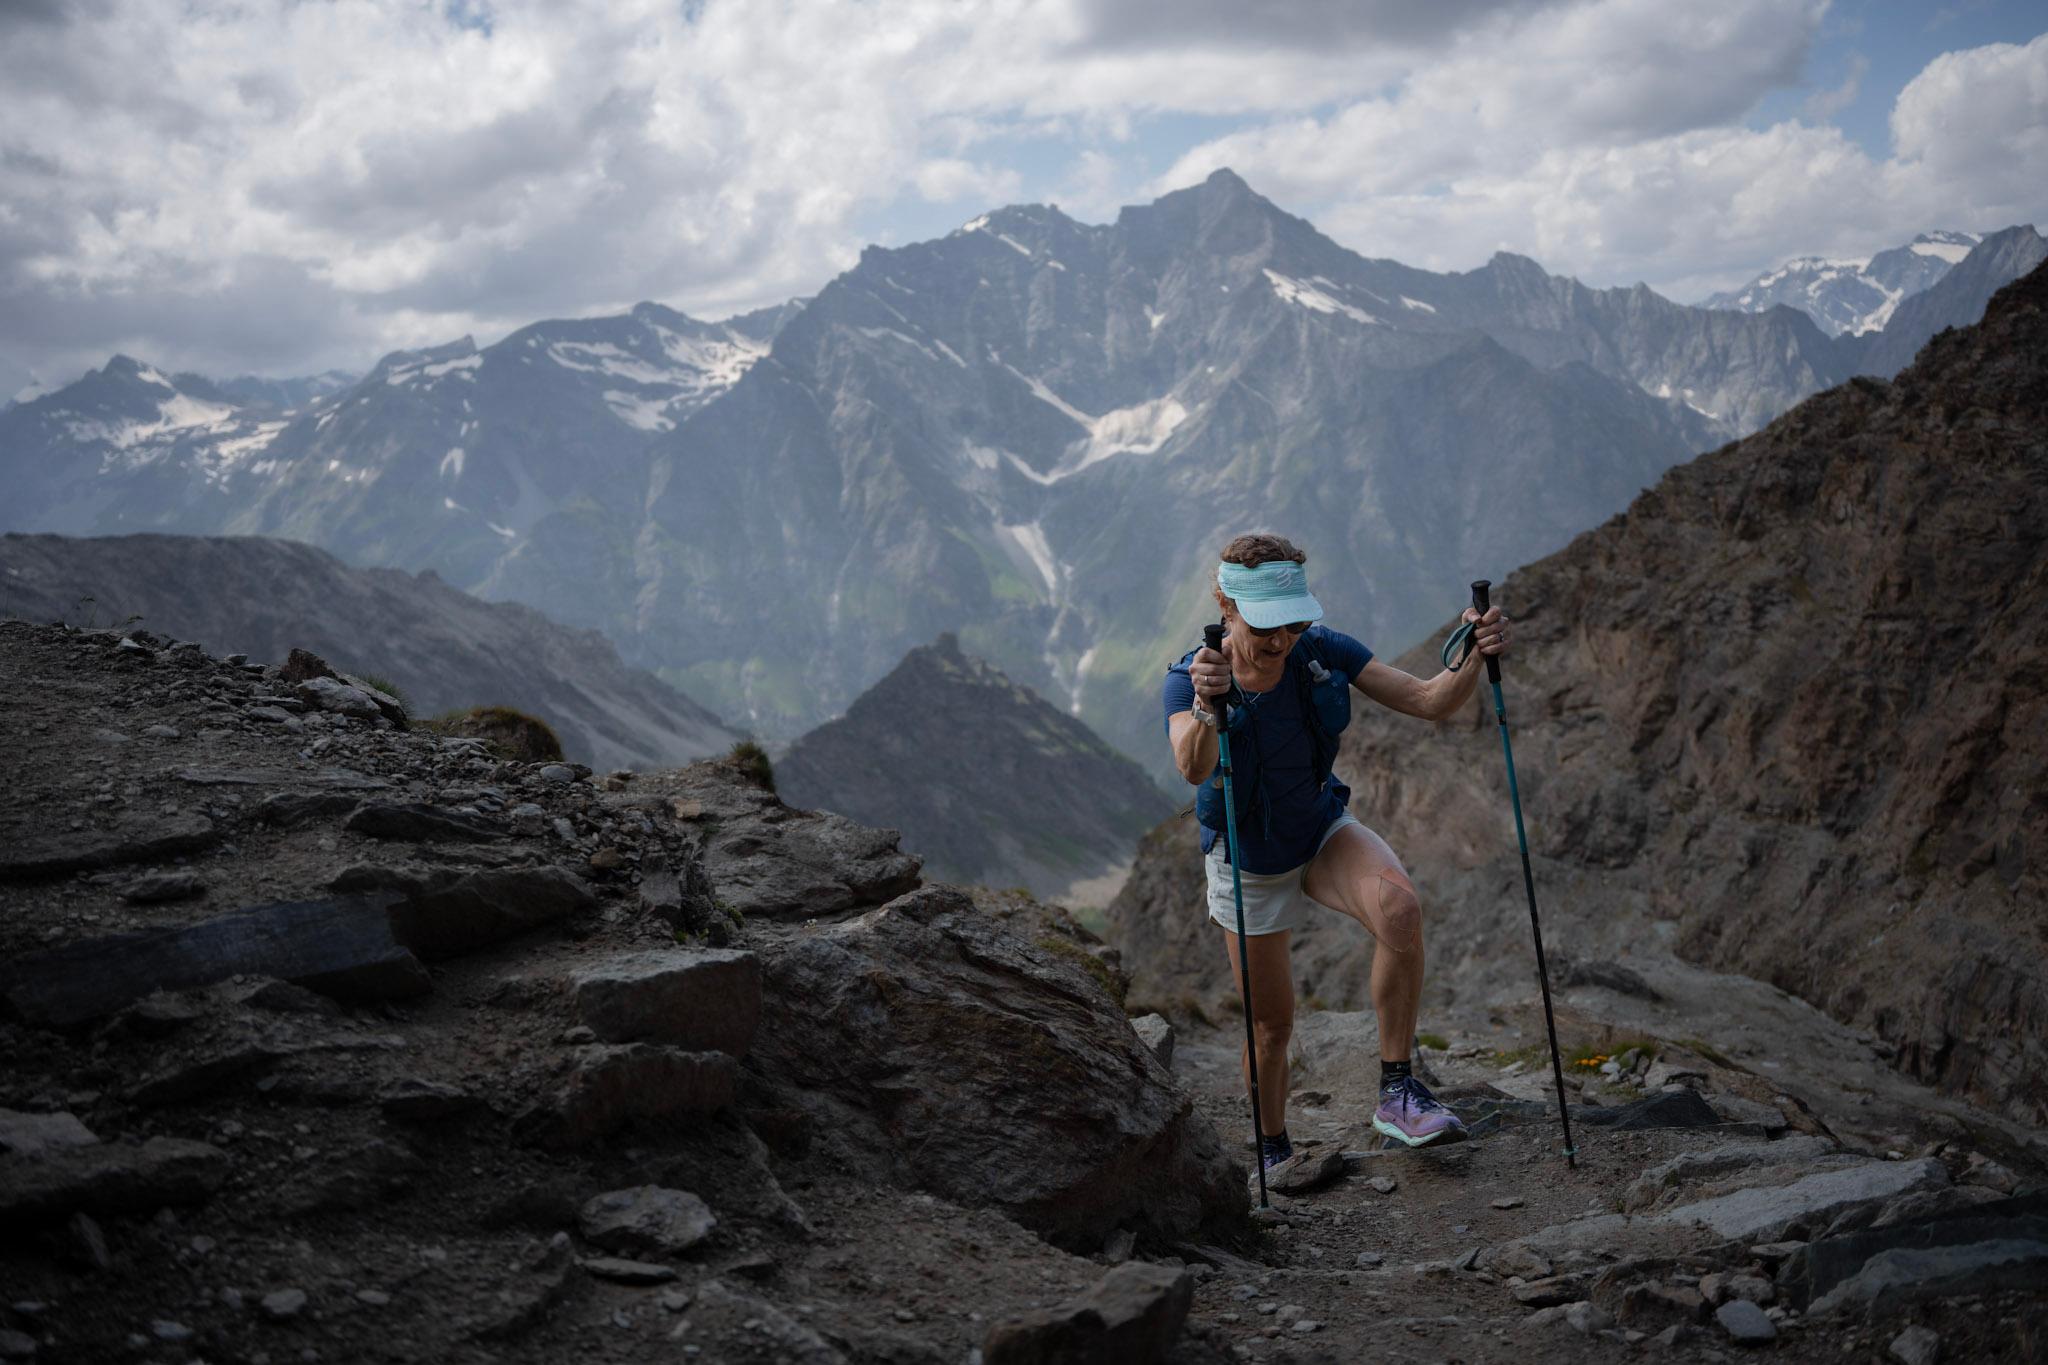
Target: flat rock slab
[
  {"x": 27, "y": 1134},
  {"x": 289, "y": 808},
  {"x": 707, "y": 1000},
  {"x": 342, "y": 946},
  {"x": 483, "y": 907},
  {"x": 1667, "y": 1109},
  {"x": 610, "y": 1086},
  {"x": 621, "y": 1271},
  {"x": 1746, "y": 1214},
  {"x": 1131, "y": 1316},
  {"x": 333, "y": 779},
  {"x": 25, "y": 856},
  {"x": 1917, "y": 1257},
  {"x": 1745, "y": 1323},
  {"x": 420, "y": 822},
  {"x": 1304, "y": 1171},
  {"x": 646, "y": 1220},
  {"x": 422, "y": 1101},
  {"x": 111, "y": 1178}
]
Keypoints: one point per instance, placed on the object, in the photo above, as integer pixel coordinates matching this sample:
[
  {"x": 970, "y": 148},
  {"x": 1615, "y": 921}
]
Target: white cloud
[
  {"x": 1556, "y": 153},
  {"x": 276, "y": 186},
  {"x": 945, "y": 179},
  {"x": 1970, "y": 133}
]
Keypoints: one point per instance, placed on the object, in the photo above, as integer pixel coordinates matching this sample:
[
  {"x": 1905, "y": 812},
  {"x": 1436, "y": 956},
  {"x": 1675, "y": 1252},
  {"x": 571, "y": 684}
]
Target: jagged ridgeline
[
  {"x": 1784, "y": 715},
  {"x": 1033, "y": 431},
  {"x": 987, "y": 782},
  {"x": 443, "y": 649}
]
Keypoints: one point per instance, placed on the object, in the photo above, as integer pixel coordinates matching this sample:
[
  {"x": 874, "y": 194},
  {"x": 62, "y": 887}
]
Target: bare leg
[
  {"x": 1272, "y": 1019},
  {"x": 1358, "y": 875}
]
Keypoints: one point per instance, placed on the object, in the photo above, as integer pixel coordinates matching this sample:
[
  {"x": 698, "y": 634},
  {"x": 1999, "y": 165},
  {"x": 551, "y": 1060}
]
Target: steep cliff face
[
  {"x": 1784, "y": 717},
  {"x": 985, "y": 780}
]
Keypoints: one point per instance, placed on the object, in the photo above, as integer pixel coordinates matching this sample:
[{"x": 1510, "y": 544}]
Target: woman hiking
[{"x": 1298, "y": 845}]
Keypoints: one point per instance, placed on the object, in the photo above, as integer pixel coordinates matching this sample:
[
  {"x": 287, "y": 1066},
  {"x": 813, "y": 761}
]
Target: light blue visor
[{"x": 1272, "y": 594}]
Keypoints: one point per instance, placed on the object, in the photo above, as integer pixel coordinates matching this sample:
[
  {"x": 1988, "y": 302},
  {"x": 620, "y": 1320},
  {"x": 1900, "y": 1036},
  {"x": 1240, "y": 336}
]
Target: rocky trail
[
  {"x": 331, "y": 1039},
  {"x": 1698, "y": 1224}
]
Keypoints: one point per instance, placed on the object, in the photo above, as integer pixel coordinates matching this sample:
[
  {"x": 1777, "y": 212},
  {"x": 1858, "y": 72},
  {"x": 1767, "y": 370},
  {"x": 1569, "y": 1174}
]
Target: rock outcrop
[
  {"x": 975, "y": 1051},
  {"x": 354, "y": 1040}
]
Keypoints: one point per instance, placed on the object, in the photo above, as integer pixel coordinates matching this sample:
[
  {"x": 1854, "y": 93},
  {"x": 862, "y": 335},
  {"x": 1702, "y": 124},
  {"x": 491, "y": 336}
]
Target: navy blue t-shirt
[{"x": 1298, "y": 811}]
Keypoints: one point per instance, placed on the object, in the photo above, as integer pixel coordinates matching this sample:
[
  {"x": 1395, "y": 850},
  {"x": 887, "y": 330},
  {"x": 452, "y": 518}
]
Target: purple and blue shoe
[
  {"x": 1274, "y": 1149},
  {"x": 1409, "y": 1113}
]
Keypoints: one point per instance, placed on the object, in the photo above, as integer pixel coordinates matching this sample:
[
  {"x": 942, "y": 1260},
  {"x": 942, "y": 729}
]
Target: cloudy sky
[{"x": 283, "y": 186}]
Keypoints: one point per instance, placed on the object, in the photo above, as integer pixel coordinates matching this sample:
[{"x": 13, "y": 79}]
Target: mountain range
[
  {"x": 442, "y": 648},
  {"x": 1851, "y": 295},
  {"x": 1033, "y": 432}
]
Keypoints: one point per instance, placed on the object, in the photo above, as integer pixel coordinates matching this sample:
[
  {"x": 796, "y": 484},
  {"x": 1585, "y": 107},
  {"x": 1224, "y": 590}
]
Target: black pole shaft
[
  {"x": 1481, "y": 590},
  {"x": 1212, "y": 636}
]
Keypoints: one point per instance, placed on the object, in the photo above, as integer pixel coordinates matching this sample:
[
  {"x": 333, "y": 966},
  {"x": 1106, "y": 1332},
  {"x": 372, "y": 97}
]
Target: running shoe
[
  {"x": 1274, "y": 1150},
  {"x": 1409, "y": 1113}
]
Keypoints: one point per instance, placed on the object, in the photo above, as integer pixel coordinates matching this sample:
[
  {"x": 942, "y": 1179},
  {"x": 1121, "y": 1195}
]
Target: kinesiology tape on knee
[{"x": 1398, "y": 923}]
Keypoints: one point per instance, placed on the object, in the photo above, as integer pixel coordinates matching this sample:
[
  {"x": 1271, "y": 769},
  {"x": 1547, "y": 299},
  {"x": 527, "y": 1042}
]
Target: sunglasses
[{"x": 1263, "y": 632}]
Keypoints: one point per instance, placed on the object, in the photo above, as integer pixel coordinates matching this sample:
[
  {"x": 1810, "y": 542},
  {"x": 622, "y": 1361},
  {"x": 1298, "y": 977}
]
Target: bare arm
[
  {"x": 1194, "y": 744},
  {"x": 1443, "y": 696},
  {"x": 1194, "y": 747}
]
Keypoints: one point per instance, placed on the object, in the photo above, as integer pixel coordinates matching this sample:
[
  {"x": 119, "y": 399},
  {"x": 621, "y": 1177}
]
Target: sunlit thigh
[{"x": 1357, "y": 874}]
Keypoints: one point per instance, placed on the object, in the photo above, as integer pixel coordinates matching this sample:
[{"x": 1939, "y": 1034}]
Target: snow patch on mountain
[
  {"x": 417, "y": 372},
  {"x": 1949, "y": 251},
  {"x": 1030, "y": 538},
  {"x": 1139, "y": 429},
  {"x": 1314, "y": 299}
]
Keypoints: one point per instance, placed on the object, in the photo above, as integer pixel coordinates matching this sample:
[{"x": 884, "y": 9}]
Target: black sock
[
  {"x": 1272, "y": 1140},
  {"x": 1391, "y": 1072}
]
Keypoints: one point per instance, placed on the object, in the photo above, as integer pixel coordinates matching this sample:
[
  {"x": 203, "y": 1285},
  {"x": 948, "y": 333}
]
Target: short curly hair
[{"x": 1252, "y": 551}]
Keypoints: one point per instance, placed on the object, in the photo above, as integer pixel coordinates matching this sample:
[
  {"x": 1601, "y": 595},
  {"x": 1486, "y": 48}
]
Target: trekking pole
[
  {"x": 1481, "y": 589},
  {"x": 1212, "y": 636}
]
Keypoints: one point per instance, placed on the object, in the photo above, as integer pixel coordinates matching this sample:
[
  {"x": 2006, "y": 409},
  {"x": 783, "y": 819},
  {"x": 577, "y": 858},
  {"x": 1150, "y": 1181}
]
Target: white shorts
[{"x": 1273, "y": 901}]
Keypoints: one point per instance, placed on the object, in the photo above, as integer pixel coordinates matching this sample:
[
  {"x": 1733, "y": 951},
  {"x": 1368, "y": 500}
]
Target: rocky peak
[{"x": 986, "y": 780}]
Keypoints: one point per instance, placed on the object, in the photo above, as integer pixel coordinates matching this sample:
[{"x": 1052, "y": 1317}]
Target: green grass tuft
[{"x": 752, "y": 761}]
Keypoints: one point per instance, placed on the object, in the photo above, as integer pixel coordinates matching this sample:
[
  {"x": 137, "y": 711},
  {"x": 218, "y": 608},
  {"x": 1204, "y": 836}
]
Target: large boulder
[{"x": 976, "y": 1051}]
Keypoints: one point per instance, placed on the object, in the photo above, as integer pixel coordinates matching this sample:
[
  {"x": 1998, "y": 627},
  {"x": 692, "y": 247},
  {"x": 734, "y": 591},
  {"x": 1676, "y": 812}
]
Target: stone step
[{"x": 707, "y": 1000}]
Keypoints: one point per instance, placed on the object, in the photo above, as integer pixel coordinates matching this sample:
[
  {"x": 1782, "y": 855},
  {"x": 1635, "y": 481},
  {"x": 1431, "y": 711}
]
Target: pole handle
[
  {"x": 1212, "y": 637},
  {"x": 1482, "y": 593}
]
